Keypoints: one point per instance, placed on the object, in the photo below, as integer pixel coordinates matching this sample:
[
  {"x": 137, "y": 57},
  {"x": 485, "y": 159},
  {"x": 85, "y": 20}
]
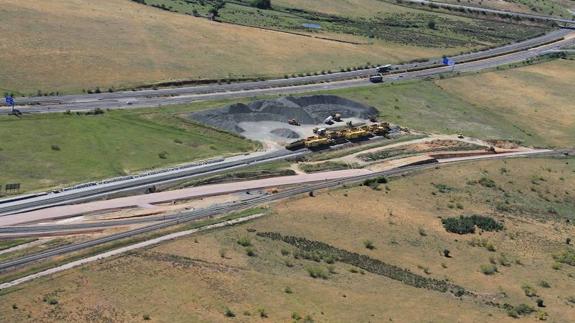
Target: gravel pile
[
  {"x": 285, "y": 133},
  {"x": 306, "y": 110}
]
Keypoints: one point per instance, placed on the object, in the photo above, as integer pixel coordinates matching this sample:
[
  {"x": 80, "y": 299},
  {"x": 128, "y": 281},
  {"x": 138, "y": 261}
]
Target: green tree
[{"x": 262, "y": 4}]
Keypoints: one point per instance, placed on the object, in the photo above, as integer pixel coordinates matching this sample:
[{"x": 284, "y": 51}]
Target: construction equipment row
[{"x": 326, "y": 137}]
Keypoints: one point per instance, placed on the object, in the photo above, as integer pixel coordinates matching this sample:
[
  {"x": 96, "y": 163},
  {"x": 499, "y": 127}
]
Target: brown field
[
  {"x": 538, "y": 100},
  {"x": 70, "y": 45},
  {"x": 195, "y": 279}
]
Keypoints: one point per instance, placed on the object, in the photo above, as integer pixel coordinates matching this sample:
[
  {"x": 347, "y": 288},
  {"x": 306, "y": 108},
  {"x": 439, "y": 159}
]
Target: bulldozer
[{"x": 293, "y": 122}]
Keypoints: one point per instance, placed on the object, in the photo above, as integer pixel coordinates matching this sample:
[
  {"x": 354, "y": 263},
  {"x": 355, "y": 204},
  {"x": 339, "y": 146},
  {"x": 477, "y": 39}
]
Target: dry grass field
[
  {"x": 538, "y": 100},
  {"x": 70, "y": 45},
  {"x": 211, "y": 278}
]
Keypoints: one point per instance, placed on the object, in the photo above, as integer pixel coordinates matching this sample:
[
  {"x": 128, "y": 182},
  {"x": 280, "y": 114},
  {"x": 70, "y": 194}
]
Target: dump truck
[
  {"x": 328, "y": 120},
  {"x": 294, "y": 122}
]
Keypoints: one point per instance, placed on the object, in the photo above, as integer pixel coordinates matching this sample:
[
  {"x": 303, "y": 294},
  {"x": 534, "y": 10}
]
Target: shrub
[
  {"x": 244, "y": 241},
  {"x": 489, "y": 269},
  {"x": 369, "y": 244},
  {"x": 284, "y": 252},
  {"x": 486, "y": 182},
  {"x": 55, "y": 147},
  {"x": 250, "y": 252},
  {"x": 163, "y": 155},
  {"x": 461, "y": 225},
  {"x": 229, "y": 313},
  {"x": 422, "y": 232},
  {"x": 178, "y": 141},
  {"x": 519, "y": 310},
  {"x": 466, "y": 224},
  {"x": 544, "y": 284},
  {"x": 566, "y": 257},
  {"x": 528, "y": 290},
  {"x": 288, "y": 290},
  {"x": 146, "y": 317},
  {"x": 317, "y": 272},
  {"x": 263, "y": 313}
]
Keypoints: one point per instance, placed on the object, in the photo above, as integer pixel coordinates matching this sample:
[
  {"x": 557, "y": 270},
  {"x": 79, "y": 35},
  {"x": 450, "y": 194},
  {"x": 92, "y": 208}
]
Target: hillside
[{"x": 68, "y": 46}]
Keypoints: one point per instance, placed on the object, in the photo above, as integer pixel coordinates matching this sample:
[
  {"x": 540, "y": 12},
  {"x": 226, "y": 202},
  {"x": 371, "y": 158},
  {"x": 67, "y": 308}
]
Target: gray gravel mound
[
  {"x": 306, "y": 110},
  {"x": 285, "y": 133}
]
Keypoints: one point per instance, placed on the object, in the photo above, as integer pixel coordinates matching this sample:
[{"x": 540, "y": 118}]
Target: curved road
[
  {"x": 153, "y": 98},
  {"x": 226, "y": 208}
]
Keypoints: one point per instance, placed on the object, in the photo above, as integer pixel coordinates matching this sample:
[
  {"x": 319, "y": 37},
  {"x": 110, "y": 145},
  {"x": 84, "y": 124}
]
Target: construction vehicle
[
  {"x": 328, "y": 120},
  {"x": 294, "y": 122},
  {"x": 320, "y": 131},
  {"x": 356, "y": 134},
  {"x": 317, "y": 142},
  {"x": 296, "y": 145},
  {"x": 337, "y": 117},
  {"x": 380, "y": 129},
  {"x": 327, "y": 137}
]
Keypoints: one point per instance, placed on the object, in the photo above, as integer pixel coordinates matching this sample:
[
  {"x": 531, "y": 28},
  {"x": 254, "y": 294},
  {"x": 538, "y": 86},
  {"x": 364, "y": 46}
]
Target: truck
[
  {"x": 384, "y": 68},
  {"x": 293, "y": 122}
]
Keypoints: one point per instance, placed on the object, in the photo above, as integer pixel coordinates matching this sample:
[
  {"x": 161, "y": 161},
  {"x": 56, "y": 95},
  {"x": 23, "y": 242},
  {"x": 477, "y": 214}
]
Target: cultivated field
[
  {"x": 68, "y": 46},
  {"x": 238, "y": 274},
  {"x": 42, "y": 151}
]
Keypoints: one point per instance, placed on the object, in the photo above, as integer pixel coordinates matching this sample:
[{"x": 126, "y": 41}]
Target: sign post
[{"x": 10, "y": 102}]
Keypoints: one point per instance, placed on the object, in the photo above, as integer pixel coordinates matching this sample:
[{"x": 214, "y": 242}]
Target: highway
[
  {"x": 155, "y": 98},
  {"x": 568, "y": 22},
  {"x": 231, "y": 207},
  {"x": 102, "y": 190}
]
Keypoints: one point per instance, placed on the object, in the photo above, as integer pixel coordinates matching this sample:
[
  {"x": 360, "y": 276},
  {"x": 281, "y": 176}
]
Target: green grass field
[{"x": 43, "y": 151}]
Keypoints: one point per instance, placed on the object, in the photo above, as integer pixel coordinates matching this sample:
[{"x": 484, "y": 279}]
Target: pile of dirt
[
  {"x": 285, "y": 133},
  {"x": 306, "y": 110}
]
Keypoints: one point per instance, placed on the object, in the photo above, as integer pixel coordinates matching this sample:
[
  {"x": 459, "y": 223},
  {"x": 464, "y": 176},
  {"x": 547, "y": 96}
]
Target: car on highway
[{"x": 376, "y": 79}]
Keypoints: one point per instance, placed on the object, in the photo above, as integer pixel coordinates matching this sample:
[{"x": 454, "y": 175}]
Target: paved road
[
  {"x": 219, "y": 209},
  {"x": 66, "y": 211},
  {"x": 154, "y": 98},
  {"x": 568, "y": 22},
  {"x": 101, "y": 190}
]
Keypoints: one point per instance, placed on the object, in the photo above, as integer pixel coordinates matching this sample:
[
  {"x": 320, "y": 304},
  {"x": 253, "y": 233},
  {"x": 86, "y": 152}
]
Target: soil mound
[
  {"x": 306, "y": 110},
  {"x": 285, "y": 133}
]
